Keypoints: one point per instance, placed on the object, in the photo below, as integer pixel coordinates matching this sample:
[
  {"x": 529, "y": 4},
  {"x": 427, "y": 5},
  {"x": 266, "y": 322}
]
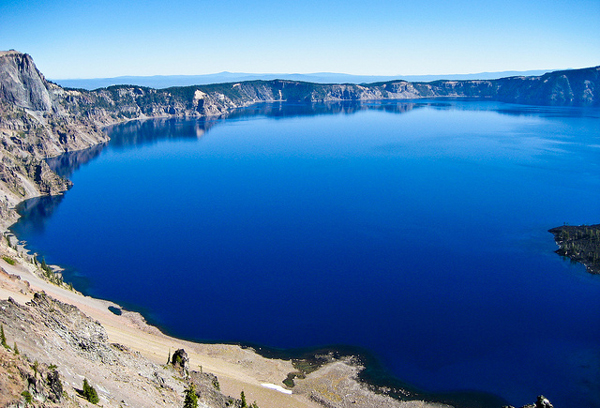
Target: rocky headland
[
  {"x": 580, "y": 244},
  {"x": 56, "y": 338}
]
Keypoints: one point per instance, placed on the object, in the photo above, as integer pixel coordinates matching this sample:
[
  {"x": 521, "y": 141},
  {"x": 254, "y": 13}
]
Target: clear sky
[{"x": 106, "y": 38}]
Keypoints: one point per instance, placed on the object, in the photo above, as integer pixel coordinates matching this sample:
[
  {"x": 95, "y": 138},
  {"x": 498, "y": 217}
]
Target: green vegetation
[
  {"x": 243, "y": 398},
  {"x": 16, "y": 349},
  {"x": 27, "y": 396},
  {"x": 245, "y": 403},
  {"x": 579, "y": 244},
  {"x": 49, "y": 273},
  {"x": 89, "y": 393},
  {"x": 303, "y": 367},
  {"x": 3, "y": 338},
  {"x": 9, "y": 260},
  {"x": 191, "y": 399}
]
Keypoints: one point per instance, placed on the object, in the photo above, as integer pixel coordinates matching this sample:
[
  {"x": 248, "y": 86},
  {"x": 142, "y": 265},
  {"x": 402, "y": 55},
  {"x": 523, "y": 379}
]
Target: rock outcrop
[
  {"x": 55, "y": 347},
  {"x": 22, "y": 84},
  {"x": 35, "y": 123},
  {"x": 180, "y": 360},
  {"x": 542, "y": 402}
]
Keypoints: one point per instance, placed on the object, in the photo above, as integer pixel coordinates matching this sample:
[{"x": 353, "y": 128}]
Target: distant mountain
[{"x": 167, "y": 81}]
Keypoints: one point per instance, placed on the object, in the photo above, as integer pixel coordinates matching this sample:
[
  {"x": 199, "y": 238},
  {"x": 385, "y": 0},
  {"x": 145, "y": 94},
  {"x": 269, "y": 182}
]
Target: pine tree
[
  {"x": 15, "y": 349},
  {"x": 3, "y": 338},
  {"x": 89, "y": 392},
  {"x": 244, "y": 403},
  {"x": 191, "y": 399}
]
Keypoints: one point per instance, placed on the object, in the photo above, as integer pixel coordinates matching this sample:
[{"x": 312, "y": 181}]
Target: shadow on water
[
  {"x": 66, "y": 164},
  {"x": 34, "y": 213},
  {"x": 150, "y": 131},
  {"x": 142, "y": 132}
]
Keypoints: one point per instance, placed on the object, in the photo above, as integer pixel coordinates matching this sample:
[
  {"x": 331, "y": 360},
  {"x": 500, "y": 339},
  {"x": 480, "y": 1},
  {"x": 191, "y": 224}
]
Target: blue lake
[{"x": 417, "y": 231}]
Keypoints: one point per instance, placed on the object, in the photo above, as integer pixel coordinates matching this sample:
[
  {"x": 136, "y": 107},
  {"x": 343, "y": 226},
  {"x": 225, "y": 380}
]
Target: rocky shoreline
[{"x": 580, "y": 244}]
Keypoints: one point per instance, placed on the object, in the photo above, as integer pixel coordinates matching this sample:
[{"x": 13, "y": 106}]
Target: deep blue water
[{"x": 415, "y": 230}]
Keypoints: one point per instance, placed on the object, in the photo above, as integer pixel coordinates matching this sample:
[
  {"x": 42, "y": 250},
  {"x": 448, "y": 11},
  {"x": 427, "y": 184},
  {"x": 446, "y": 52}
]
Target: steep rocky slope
[
  {"x": 54, "y": 347},
  {"x": 124, "y": 358}
]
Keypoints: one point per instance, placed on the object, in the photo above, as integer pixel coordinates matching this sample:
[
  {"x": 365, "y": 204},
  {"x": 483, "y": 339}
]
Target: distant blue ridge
[{"x": 166, "y": 81}]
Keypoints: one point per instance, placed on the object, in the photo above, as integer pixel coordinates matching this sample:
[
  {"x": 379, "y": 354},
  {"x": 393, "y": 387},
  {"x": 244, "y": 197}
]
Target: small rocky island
[{"x": 580, "y": 244}]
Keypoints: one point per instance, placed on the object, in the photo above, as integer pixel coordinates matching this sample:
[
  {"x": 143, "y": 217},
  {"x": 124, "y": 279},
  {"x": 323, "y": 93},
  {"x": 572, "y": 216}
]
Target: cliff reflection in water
[
  {"x": 34, "y": 213},
  {"x": 66, "y": 164},
  {"x": 141, "y": 132}
]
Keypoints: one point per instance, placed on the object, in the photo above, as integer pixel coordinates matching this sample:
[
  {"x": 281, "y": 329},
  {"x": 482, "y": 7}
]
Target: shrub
[
  {"x": 27, "y": 396},
  {"x": 9, "y": 260}
]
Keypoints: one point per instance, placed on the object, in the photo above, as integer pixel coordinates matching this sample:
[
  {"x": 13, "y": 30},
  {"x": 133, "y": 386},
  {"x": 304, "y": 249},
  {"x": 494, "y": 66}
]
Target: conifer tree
[
  {"x": 244, "y": 403},
  {"x": 89, "y": 392},
  {"x": 3, "y": 338},
  {"x": 191, "y": 399}
]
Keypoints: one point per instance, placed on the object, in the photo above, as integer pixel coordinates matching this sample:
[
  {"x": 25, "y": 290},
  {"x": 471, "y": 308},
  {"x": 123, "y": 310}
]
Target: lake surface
[{"x": 417, "y": 231}]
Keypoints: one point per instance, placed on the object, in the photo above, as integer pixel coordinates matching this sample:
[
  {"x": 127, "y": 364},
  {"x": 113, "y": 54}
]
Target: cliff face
[
  {"x": 580, "y": 87},
  {"x": 22, "y": 84},
  {"x": 39, "y": 119}
]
